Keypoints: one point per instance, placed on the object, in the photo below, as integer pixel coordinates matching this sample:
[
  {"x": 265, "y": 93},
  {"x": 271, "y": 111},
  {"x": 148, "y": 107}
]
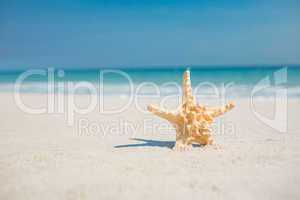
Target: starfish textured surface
[{"x": 193, "y": 121}]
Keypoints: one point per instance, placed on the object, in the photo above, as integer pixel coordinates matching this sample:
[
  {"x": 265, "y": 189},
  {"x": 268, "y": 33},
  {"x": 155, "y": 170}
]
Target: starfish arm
[
  {"x": 186, "y": 86},
  {"x": 216, "y": 112},
  {"x": 170, "y": 116}
]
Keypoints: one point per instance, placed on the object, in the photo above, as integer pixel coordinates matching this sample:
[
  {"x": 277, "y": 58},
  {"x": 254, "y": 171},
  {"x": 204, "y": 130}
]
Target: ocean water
[{"x": 230, "y": 81}]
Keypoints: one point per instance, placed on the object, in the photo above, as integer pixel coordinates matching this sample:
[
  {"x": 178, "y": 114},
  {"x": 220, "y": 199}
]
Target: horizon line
[{"x": 200, "y": 66}]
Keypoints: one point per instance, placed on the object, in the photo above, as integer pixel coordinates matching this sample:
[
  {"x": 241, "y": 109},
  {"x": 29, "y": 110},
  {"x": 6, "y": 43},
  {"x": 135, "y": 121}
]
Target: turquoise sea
[{"x": 238, "y": 81}]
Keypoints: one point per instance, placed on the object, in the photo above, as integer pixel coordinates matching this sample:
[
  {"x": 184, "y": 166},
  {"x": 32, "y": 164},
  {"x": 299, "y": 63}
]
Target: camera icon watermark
[{"x": 276, "y": 84}]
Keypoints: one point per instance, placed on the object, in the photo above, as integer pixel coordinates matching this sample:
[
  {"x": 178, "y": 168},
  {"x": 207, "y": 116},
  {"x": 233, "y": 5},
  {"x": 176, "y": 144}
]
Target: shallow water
[{"x": 230, "y": 81}]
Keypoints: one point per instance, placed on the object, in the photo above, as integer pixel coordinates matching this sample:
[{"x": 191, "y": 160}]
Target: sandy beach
[
  {"x": 129, "y": 155},
  {"x": 146, "y": 100}
]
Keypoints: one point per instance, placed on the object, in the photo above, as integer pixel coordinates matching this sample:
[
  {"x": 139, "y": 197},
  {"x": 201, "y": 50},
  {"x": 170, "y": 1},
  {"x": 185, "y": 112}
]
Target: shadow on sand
[{"x": 150, "y": 143}]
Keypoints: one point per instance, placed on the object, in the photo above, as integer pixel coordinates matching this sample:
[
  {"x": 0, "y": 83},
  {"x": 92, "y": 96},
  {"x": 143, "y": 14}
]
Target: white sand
[{"x": 43, "y": 158}]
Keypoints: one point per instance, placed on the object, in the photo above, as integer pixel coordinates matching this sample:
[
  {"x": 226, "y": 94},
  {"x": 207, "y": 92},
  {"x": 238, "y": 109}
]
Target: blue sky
[{"x": 125, "y": 33}]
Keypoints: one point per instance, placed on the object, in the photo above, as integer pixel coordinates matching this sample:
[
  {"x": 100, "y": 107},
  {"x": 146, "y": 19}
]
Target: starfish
[{"x": 193, "y": 121}]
